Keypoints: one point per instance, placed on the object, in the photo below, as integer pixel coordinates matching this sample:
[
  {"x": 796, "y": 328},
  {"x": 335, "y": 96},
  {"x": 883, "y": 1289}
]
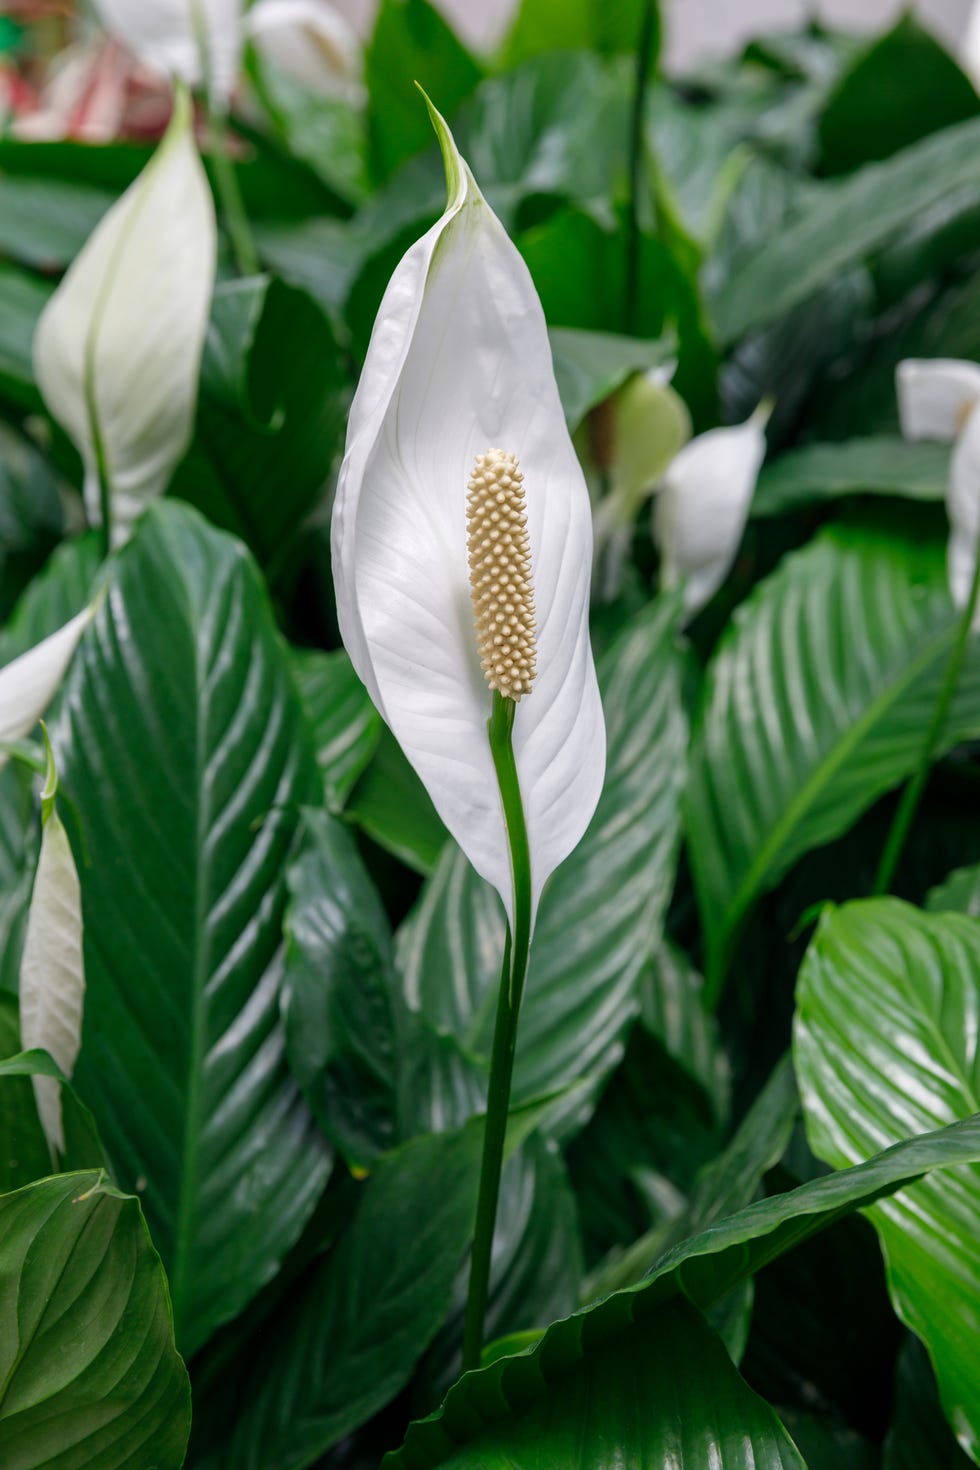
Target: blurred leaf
[
  {"x": 22, "y": 299},
  {"x": 270, "y": 416},
  {"x": 899, "y": 89},
  {"x": 350, "y": 1333},
  {"x": 670, "y": 1395},
  {"x": 672, "y": 1009},
  {"x": 846, "y": 222},
  {"x": 541, "y": 26},
  {"x": 115, "y": 1394},
  {"x": 919, "y": 1435},
  {"x": 346, "y": 725},
  {"x": 32, "y": 518},
  {"x": 24, "y": 1152},
  {"x": 83, "y": 1149},
  {"x": 328, "y": 133},
  {"x": 873, "y": 466},
  {"x": 181, "y": 729},
  {"x": 815, "y": 704},
  {"x": 45, "y": 222},
  {"x": 601, "y": 912},
  {"x": 19, "y": 841},
  {"x": 888, "y": 992},
  {"x": 960, "y": 893},
  {"x": 411, "y": 44},
  {"x": 64, "y": 586},
  {"x": 390, "y": 804},
  {"x": 704, "y": 1269},
  {"x": 589, "y": 366}
]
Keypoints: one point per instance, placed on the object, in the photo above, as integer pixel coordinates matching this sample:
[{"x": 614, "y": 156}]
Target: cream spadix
[
  {"x": 500, "y": 573},
  {"x": 459, "y": 362},
  {"x": 117, "y": 350},
  {"x": 52, "y": 972}
]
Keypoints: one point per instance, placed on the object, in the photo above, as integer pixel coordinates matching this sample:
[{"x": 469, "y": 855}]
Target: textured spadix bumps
[
  {"x": 459, "y": 361},
  {"x": 500, "y": 573}
]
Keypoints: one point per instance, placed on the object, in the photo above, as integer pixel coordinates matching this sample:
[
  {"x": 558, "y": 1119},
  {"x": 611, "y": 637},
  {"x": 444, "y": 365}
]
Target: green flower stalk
[{"x": 462, "y": 552}]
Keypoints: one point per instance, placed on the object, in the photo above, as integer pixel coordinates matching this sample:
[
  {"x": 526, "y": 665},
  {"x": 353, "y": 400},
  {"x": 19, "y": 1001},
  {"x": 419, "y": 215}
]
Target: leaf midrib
[{"x": 805, "y": 797}]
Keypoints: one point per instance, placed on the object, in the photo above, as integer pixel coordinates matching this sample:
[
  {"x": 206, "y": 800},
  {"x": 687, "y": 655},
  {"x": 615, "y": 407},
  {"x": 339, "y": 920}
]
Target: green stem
[
  {"x": 644, "y": 49},
  {"x": 500, "y": 730},
  {"x": 911, "y": 796},
  {"x": 230, "y": 195}
]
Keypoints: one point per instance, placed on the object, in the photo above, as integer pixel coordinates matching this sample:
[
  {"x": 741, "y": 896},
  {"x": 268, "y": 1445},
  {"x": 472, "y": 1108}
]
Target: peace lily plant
[
  {"x": 126, "y": 397},
  {"x": 29, "y": 683},
  {"x": 462, "y": 549}
]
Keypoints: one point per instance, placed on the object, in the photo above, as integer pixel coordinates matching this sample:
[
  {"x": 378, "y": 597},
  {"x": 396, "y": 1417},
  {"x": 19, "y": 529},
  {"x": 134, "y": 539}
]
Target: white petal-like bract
[
  {"x": 52, "y": 972},
  {"x": 459, "y": 363},
  {"x": 29, "y": 683},
  {"x": 700, "y": 512},
  {"x": 935, "y": 396},
  {"x": 197, "y": 41},
  {"x": 311, "y": 41},
  {"x": 117, "y": 350},
  {"x": 963, "y": 508}
]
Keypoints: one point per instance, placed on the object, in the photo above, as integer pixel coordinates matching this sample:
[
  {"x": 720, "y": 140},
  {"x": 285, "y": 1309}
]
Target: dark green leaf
[
  {"x": 411, "y": 43},
  {"x": 65, "y": 586},
  {"x": 591, "y": 365},
  {"x": 270, "y": 415},
  {"x": 889, "y": 992},
  {"x": 19, "y": 840},
  {"x": 901, "y": 88},
  {"x": 83, "y": 1150},
  {"x": 814, "y": 705},
  {"x": 919, "y": 1435},
  {"x": 845, "y": 223},
  {"x": 346, "y": 726},
  {"x": 601, "y": 913},
  {"x": 877, "y": 466},
  {"x": 672, "y": 1009},
  {"x": 664, "y": 1394},
  {"x": 353, "y": 1330},
  {"x": 31, "y": 514},
  {"x": 704, "y": 1269},
  {"x": 390, "y": 804},
  {"x": 114, "y": 1395},
  {"x": 183, "y": 755},
  {"x": 24, "y": 1152},
  {"x": 22, "y": 299},
  {"x": 960, "y": 893}
]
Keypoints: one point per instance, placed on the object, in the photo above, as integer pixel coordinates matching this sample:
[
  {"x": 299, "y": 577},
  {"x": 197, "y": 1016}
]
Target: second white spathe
[
  {"x": 195, "y": 41},
  {"x": 29, "y": 683},
  {"x": 939, "y": 398},
  {"x": 117, "y": 350},
  {"x": 52, "y": 972},
  {"x": 700, "y": 512}
]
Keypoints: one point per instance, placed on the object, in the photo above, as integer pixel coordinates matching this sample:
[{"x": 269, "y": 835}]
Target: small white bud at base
[{"x": 500, "y": 573}]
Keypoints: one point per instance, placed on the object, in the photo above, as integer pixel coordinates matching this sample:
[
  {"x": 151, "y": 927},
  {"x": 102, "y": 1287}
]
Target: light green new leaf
[
  {"x": 89, "y": 1376},
  {"x": 185, "y": 759},
  {"x": 665, "y": 1394},
  {"x": 886, "y": 1045},
  {"x": 815, "y": 704},
  {"x": 704, "y": 1268},
  {"x": 600, "y": 916},
  {"x": 958, "y": 893}
]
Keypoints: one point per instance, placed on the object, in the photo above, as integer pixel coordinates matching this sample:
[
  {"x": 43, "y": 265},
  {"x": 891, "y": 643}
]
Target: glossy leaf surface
[{"x": 181, "y": 728}]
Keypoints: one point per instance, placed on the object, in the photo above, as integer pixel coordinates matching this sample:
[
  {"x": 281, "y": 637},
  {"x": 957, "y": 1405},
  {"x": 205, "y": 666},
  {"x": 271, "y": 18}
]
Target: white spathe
[
  {"x": 700, "y": 511},
  {"x": 311, "y": 41},
  {"x": 117, "y": 350},
  {"x": 52, "y": 971},
  {"x": 196, "y": 41},
  {"x": 29, "y": 683},
  {"x": 459, "y": 362},
  {"x": 939, "y": 398}
]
